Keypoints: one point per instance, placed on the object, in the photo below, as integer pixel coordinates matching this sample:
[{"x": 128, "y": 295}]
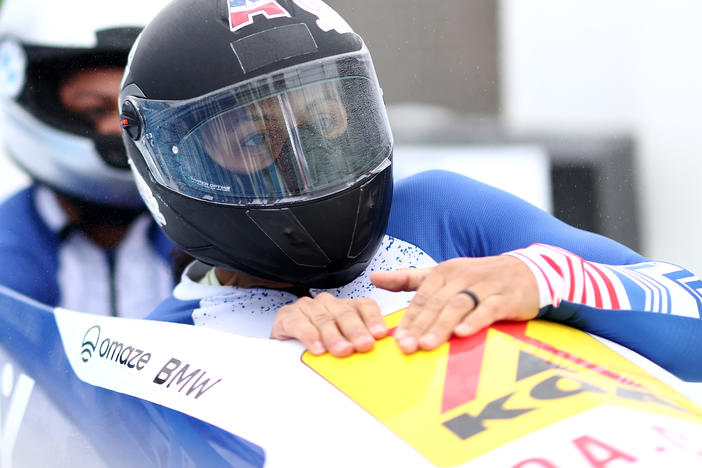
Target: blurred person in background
[{"x": 78, "y": 236}]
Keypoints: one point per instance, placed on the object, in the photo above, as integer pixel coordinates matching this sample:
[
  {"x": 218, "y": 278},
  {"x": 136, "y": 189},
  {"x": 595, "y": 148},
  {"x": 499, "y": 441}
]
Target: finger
[
  {"x": 421, "y": 313},
  {"x": 324, "y": 321},
  {"x": 372, "y": 316},
  {"x": 348, "y": 321},
  {"x": 437, "y": 318},
  {"x": 404, "y": 279},
  {"x": 291, "y": 322},
  {"x": 352, "y": 327},
  {"x": 456, "y": 309},
  {"x": 488, "y": 312}
]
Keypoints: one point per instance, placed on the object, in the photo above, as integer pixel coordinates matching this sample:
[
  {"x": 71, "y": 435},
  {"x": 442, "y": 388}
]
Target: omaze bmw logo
[
  {"x": 175, "y": 374},
  {"x": 112, "y": 350}
]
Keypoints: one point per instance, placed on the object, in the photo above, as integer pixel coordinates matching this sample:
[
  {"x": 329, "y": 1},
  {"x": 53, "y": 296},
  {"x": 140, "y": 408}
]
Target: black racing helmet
[
  {"x": 258, "y": 136},
  {"x": 42, "y": 44}
]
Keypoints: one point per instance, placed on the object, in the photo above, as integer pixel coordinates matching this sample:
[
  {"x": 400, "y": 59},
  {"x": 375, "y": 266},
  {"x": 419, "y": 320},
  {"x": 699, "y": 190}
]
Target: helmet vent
[
  {"x": 274, "y": 45},
  {"x": 285, "y": 230}
]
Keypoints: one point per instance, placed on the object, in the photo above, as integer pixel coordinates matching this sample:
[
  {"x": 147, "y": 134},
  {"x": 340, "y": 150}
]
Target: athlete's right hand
[{"x": 329, "y": 324}]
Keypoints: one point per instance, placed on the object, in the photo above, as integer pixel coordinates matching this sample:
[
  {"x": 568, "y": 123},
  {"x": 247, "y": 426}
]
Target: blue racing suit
[
  {"x": 44, "y": 259},
  {"x": 609, "y": 289}
]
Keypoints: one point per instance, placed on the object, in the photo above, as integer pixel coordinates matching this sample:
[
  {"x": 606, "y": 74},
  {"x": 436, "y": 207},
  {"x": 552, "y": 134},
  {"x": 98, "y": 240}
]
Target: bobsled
[{"x": 83, "y": 390}]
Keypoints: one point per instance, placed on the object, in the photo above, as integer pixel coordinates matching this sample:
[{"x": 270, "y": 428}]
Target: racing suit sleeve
[
  {"x": 448, "y": 215},
  {"x": 652, "y": 308}
]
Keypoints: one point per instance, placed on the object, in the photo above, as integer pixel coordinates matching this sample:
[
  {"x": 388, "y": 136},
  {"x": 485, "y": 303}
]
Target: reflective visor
[{"x": 296, "y": 134}]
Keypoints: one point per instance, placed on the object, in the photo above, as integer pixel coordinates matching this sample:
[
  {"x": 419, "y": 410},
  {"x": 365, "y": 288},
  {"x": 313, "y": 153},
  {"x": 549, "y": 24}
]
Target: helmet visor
[{"x": 300, "y": 133}]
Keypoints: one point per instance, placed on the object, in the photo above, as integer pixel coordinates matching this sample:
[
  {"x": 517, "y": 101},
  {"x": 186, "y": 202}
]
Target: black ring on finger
[{"x": 473, "y": 296}]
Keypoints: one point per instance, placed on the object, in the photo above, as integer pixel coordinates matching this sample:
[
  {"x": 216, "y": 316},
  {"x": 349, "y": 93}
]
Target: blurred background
[
  {"x": 610, "y": 91},
  {"x": 588, "y": 109}
]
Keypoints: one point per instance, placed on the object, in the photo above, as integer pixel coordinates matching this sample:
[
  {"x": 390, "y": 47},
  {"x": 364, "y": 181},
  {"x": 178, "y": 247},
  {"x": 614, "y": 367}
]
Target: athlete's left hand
[{"x": 504, "y": 286}]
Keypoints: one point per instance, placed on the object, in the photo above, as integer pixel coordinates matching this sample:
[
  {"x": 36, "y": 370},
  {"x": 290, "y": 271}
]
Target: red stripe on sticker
[
  {"x": 463, "y": 370},
  {"x": 466, "y": 356}
]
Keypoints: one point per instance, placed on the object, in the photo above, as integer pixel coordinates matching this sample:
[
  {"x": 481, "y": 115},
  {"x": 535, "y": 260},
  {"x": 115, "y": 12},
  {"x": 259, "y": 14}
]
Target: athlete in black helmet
[
  {"x": 281, "y": 136},
  {"x": 258, "y": 134}
]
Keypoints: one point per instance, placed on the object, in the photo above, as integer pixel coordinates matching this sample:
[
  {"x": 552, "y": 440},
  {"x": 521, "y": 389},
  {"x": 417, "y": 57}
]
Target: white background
[{"x": 611, "y": 65}]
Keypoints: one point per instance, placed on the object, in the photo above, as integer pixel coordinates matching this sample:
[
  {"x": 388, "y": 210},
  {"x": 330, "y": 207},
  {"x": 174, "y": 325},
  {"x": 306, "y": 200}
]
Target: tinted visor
[{"x": 297, "y": 134}]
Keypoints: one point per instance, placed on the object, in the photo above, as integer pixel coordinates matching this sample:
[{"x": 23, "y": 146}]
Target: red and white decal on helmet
[
  {"x": 241, "y": 12},
  {"x": 328, "y": 18}
]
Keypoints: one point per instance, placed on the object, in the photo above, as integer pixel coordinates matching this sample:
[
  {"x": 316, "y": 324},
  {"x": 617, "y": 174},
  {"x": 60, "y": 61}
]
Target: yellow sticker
[{"x": 475, "y": 394}]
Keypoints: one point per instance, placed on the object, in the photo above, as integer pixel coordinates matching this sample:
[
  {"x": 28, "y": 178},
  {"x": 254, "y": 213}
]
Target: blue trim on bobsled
[{"x": 125, "y": 430}]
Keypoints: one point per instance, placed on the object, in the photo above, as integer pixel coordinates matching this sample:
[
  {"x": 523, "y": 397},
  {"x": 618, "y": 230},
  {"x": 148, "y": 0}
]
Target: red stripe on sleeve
[
  {"x": 543, "y": 273},
  {"x": 553, "y": 264},
  {"x": 571, "y": 289},
  {"x": 610, "y": 287},
  {"x": 596, "y": 289}
]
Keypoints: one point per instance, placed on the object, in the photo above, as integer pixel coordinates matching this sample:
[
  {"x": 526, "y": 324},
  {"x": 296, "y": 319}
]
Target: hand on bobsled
[
  {"x": 327, "y": 323},
  {"x": 460, "y": 296}
]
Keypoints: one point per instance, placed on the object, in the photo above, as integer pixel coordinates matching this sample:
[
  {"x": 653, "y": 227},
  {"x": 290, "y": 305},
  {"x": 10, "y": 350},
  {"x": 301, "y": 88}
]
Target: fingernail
[
  {"x": 429, "y": 340},
  {"x": 342, "y": 348},
  {"x": 364, "y": 343},
  {"x": 317, "y": 348},
  {"x": 378, "y": 329},
  {"x": 408, "y": 344},
  {"x": 462, "y": 329},
  {"x": 400, "y": 333}
]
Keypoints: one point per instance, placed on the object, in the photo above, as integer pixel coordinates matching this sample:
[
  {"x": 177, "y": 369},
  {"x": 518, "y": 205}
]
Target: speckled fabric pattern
[
  {"x": 250, "y": 312},
  {"x": 392, "y": 254}
]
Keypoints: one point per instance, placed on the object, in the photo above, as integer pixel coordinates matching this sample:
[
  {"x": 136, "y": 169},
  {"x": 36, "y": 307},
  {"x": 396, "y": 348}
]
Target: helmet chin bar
[
  {"x": 111, "y": 150},
  {"x": 322, "y": 244}
]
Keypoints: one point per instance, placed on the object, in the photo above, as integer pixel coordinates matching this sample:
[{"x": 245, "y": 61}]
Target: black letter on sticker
[
  {"x": 466, "y": 426},
  {"x": 548, "y": 389}
]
